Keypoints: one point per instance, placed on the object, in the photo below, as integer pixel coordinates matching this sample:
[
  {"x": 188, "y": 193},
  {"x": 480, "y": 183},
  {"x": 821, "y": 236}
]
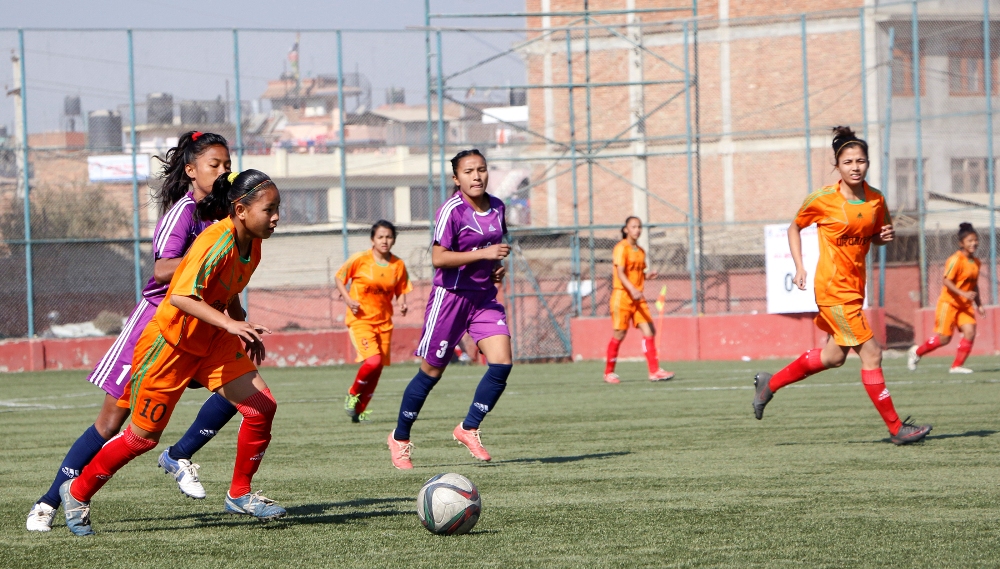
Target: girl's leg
[
  {"x": 933, "y": 343},
  {"x": 649, "y": 350},
  {"x": 809, "y": 363},
  {"x": 109, "y": 421},
  {"x": 414, "y": 396},
  {"x": 965, "y": 346},
  {"x": 253, "y": 400},
  {"x": 874, "y": 382},
  {"x": 491, "y": 387},
  {"x": 213, "y": 415},
  {"x": 616, "y": 339},
  {"x": 368, "y": 390}
]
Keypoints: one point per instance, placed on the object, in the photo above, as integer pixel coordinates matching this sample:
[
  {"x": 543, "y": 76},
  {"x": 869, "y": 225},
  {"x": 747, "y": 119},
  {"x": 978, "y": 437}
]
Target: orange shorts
[
  {"x": 371, "y": 340},
  {"x": 161, "y": 373},
  {"x": 623, "y": 309},
  {"x": 947, "y": 317},
  {"x": 846, "y": 323}
]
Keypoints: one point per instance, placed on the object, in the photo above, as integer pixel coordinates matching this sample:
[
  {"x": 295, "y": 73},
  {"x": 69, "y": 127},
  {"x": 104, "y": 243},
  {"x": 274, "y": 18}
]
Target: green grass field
[{"x": 585, "y": 474}]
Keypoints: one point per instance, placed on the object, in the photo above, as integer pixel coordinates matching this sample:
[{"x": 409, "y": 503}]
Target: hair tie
[
  {"x": 197, "y": 134},
  {"x": 232, "y": 177}
]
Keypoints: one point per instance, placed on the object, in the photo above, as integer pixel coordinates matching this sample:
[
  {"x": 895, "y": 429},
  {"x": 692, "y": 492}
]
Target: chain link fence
[{"x": 708, "y": 128}]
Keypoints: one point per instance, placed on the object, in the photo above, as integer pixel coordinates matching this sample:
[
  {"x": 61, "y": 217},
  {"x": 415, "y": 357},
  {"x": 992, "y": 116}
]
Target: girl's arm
[
  {"x": 795, "y": 247},
  {"x": 249, "y": 333},
  {"x": 402, "y": 304},
  {"x": 635, "y": 293},
  {"x": 951, "y": 286},
  {"x": 235, "y": 310},
  {"x": 352, "y": 304},
  {"x": 163, "y": 269},
  {"x": 442, "y": 258}
]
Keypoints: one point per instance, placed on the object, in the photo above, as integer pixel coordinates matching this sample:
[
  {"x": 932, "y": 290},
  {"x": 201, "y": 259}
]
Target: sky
[{"x": 195, "y": 64}]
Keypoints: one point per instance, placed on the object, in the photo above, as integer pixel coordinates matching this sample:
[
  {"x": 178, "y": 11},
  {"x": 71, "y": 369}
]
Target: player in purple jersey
[
  {"x": 189, "y": 171},
  {"x": 467, "y": 253}
]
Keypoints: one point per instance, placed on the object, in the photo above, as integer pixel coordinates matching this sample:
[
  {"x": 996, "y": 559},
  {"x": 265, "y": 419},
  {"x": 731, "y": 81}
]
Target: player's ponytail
[
  {"x": 964, "y": 230},
  {"x": 173, "y": 182},
  {"x": 628, "y": 219},
  {"x": 230, "y": 189},
  {"x": 843, "y": 137}
]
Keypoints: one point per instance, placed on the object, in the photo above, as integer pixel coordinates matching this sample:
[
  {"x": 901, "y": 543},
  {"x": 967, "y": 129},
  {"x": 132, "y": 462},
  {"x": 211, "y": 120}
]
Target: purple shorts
[
  {"x": 450, "y": 313},
  {"x": 112, "y": 372}
]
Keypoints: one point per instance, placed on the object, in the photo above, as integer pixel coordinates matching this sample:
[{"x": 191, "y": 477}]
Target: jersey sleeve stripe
[
  {"x": 449, "y": 206},
  {"x": 815, "y": 196},
  {"x": 220, "y": 249},
  {"x": 169, "y": 223}
]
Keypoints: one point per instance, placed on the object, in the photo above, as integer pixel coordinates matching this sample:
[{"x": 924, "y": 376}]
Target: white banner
[
  {"x": 783, "y": 297},
  {"x": 117, "y": 167}
]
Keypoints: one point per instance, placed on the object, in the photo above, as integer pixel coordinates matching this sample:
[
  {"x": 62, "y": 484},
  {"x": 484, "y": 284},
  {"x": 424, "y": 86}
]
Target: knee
[
  {"x": 260, "y": 404},
  {"x": 110, "y": 424},
  {"x": 943, "y": 340},
  {"x": 374, "y": 361},
  {"x": 500, "y": 371},
  {"x": 619, "y": 335}
]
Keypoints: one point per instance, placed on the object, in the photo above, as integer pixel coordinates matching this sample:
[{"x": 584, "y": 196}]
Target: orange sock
[
  {"x": 875, "y": 386},
  {"x": 609, "y": 366}
]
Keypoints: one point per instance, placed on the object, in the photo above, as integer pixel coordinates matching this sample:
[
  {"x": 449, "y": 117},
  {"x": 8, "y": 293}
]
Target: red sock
[
  {"x": 115, "y": 454},
  {"x": 964, "y": 348},
  {"x": 932, "y": 343},
  {"x": 255, "y": 433},
  {"x": 879, "y": 394},
  {"x": 613, "y": 346},
  {"x": 370, "y": 384},
  {"x": 361, "y": 381},
  {"x": 807, "y": 364},
  {"x": 649, "y": 348}
]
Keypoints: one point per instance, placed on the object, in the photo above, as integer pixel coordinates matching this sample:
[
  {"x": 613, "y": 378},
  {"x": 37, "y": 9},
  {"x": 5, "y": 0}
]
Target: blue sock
[
  {"x": 490, "y": 389},
  {"x": 413, "y": 399},
  {"x": 214, "y": 414},
  {"x": 78, "y": 456}
]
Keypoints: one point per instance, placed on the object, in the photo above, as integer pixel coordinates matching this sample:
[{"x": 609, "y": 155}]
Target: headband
[
  {"x": 195, "y": 135},
  {"x": 253, "y": 189},
  {"x": 852, "y": 140}
]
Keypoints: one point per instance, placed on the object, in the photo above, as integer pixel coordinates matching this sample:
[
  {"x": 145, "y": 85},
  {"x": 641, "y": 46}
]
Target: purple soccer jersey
[
  {"x": 173, "y": 236},
  {"x": 463, "y": 299},
  {"x": 461, "y": 228}
]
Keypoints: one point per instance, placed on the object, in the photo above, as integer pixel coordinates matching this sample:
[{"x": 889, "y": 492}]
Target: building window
[
  {"x": 906, "y": 182},
  {"x": 968, "y": 176},
  {"x": 422, "y": 206},
  {"x": 966, "y": 75},
  {"x": 902, "y": 74},
  {"x": 304, "y": 207},
  {"x": 371, "y": 204}
]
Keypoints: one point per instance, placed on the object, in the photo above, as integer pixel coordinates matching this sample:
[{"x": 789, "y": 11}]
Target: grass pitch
[{"x": 585, "y": 474}]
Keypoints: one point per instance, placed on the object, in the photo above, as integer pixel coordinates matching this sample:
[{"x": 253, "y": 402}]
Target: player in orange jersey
[
  {"x": 954, "y": 307},
  {"x": 628, "y": 304},
  {"x": 849, "y": 215},
  {"x": 376, "y": 277},
  {"x": 200, "y": 332}
]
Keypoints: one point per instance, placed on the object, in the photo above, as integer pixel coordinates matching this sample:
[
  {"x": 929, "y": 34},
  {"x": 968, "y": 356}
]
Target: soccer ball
[{"x": 448, "y": 504}]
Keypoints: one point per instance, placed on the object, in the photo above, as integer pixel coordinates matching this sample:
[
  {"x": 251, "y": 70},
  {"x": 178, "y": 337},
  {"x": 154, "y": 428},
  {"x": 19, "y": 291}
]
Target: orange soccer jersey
[
  {"x": 846, "y": 229},
  {"x": 374, "y": 285},
  {"x": 964, "y": 272},
  {"x": 633, "y": 260}
]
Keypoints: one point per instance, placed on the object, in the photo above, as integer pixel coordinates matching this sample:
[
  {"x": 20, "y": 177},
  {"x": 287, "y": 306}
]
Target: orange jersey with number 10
[
  {"x": 213, "y": 271},
  {"x": 374, "y": 285},
  {"x": 633, "y": 260},
  {"x": 846, "y": 229}
]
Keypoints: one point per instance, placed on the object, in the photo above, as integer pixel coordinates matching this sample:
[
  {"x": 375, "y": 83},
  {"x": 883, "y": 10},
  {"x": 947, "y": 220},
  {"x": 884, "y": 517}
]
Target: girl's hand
[
  {"x": 251, "y": 336},
  {"x": 354, "y": 306},
  {"x": 636, "y": 294},
  {"x": 887, "y": 234},
  {"x": 402, "y": 309},
  {"x": 499, "y": 272},
  {"x": 981, "y": 310},
  {"x": 800, "y": 279},
  {"x": 652, "y": 275},
  {"x": 495, "y": 252},
  {"x": 969, "y": 295}
]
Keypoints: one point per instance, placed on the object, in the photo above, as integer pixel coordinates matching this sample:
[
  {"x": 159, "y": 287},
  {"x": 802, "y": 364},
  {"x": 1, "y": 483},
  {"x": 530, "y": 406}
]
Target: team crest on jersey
[{"x": 492, "y": 228}]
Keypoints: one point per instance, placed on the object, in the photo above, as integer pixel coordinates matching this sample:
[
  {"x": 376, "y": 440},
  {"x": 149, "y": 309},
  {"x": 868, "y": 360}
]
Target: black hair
[
  {"x": 458, "y": 158},
  {"x": 386, "y": 224},
  {"x": 230, "y": 189},
  {"x": 964, "y": 230},
  {"x": 843, "y": 137},
  {"x": 173, "y": 181},
  {"x": 628, "y": 219}
]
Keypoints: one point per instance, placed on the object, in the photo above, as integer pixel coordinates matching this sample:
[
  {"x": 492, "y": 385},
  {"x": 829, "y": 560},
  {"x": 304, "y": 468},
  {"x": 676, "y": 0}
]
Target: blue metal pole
[
  {"x": 884, "y": 181},
  {"x": 135, "y": 174},
  {"x": 430, "y": 118},
  {"x": 690, "y": 181},
  {"x": 864, "y": 123},
  {"x": 590, "y": 165},
  {"x": 805, "y": 102},
  {"x": 577, "y": 300},
  {"x": 343, "y": 145},
  {"x": 441, "y": 135},
  {"x": 991, "y": 184},
  {"x": 238, "y": 116},
  {"x": 26, "y": 180},
  {"x": 921, "y": 203}
]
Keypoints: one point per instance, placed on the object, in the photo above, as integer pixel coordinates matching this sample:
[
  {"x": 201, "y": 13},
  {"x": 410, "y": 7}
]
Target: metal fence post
[
  {"x": 690, "y": 181},
  {"x": 430, "y": 119},
  {"x": 805, "y": 105},
  {"x": 921, "y": 204},
  {"x": 238, "y": 110},
  {"x": 864, "y": 122},
  {"x": 575, "y": 247},
  {"x": 343, "y": 145},
  {"x": 135, "y": 174},
  {"x": 991, "y": 183},
  {"x": 885, "y": 157},
  {"x": 26, "y": 180},
  {"x": 440, "y": 125},
  {"x": 590, "y": 165}
]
